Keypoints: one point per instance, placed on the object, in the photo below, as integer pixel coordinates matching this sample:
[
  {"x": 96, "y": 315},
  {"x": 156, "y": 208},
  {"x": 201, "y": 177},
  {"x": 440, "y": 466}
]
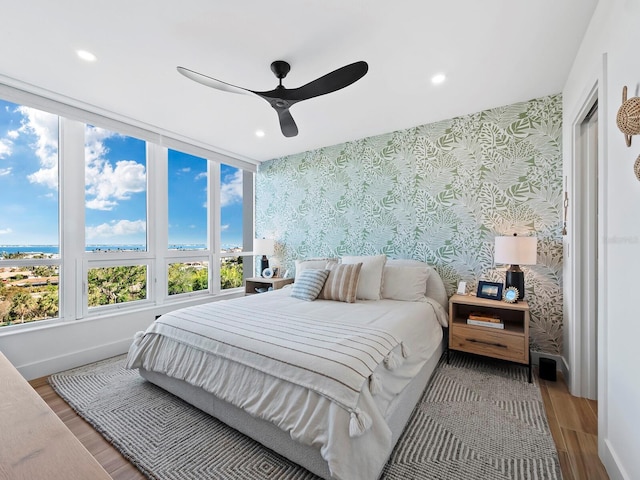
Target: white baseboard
[
  {"x": 43, "y": 368},
  {"x": 611, "y": 462}
]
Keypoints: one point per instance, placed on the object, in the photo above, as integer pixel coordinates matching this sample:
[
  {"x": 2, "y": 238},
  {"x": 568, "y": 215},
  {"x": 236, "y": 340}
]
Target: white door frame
[{"x": 584, "y": 228}]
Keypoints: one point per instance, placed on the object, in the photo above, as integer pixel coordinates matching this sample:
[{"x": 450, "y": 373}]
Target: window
[
  {"x": 29, "y": 238},
  {"x": 187, "y": 202},
  {"x": 231, "y": 227},
  {"x": 115, "y": 191},
  {"x": 138, "y": 245}
]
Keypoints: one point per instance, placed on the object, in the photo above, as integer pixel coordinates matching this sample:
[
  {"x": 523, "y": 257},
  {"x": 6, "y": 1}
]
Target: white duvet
[{"x": 309, "y": 417}]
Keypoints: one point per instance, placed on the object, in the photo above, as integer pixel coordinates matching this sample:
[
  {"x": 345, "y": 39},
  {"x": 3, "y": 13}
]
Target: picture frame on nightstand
[{"x": 490, "y": 290}]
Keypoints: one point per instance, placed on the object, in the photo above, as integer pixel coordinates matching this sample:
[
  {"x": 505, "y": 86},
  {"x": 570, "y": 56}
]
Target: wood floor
[
  {"x": 574, "y": 426},
  {"x": 573, "y": 423}
]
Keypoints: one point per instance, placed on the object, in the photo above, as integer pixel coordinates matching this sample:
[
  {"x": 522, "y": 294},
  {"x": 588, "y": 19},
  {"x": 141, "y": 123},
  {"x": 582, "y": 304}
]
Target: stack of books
[{"x": 485, "y": 320}]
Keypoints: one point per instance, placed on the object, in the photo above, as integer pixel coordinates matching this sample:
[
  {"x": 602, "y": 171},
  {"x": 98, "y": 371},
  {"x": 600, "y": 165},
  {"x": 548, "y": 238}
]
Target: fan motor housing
[{"x": 280, "y": 68}]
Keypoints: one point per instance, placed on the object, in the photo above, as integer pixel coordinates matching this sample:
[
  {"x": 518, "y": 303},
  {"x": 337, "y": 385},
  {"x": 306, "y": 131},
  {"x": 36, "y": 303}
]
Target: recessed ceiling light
[
  {"x": 259, "y": 133},
  {"x": 86, "y": 56},
  {"x": 438, "y": 78}
]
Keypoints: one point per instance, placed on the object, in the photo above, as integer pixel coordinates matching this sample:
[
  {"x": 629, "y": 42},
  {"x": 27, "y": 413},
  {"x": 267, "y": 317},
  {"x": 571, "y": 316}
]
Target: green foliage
[
  {"x": 110, "y": 285},
  {"x": 22, "y": 305},
  {"x": 231, "y": 273},
  {"x": 184, "y": 278}
]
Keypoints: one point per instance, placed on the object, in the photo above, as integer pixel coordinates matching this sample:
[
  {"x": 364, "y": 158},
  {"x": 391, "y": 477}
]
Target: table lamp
[
  {"x": 264, "y": 247},
  {"x": 516, "y": 251}
]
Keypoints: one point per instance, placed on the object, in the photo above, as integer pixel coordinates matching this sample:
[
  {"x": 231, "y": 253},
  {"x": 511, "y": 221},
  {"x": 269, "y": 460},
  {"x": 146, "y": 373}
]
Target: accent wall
[{"x": 439, "y": 193}]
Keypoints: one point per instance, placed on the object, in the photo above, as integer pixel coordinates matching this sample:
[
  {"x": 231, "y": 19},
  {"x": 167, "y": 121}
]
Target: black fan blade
[
  {"x": 331, "y": 82},
  {"x": 212, "y": 82},
  {"x": 287, "y": 124}
]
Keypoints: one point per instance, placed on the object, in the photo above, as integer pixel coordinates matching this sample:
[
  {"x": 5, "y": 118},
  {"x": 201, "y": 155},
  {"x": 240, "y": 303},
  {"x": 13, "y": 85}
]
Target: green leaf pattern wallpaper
[{"x": 439, "y": 193}]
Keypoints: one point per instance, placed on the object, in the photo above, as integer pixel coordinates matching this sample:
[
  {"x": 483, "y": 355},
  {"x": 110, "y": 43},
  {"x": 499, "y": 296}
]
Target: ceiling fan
[{"x": 281, "y": 98}]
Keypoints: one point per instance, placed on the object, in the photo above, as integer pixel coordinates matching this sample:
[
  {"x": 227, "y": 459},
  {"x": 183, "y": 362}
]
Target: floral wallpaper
[{"x": 439, "y": 193}]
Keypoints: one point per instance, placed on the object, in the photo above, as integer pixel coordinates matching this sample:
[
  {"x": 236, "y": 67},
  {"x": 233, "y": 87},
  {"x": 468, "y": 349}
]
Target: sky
[{"x": 115, "y": 187}]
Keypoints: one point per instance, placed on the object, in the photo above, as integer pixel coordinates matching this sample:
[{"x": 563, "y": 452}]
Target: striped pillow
[
  {"x": 342, "y": 283},
  {"x": 308, "y": 284}
]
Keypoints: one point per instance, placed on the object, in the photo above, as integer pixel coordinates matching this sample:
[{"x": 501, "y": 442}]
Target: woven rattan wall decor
[{"x": 628, "y": 118}]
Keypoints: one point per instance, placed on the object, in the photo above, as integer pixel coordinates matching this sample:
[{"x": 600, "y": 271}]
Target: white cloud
[
  {"x": 106, "y": 185},
  {"x": 224, "y": 227},
  {"x": 97, "y": 204},
  {"x": 44, "y": 126},
  {"x": 200, "y": 176},
  {"x": 45, "y": 176},
  {"x": 5, "y": 171},
  {"x": 5, "y": 231},
  {"x": 13, "y": 134},
  {"x": 185, "y": 169},
  {"x": 115, "y": 229},
  {"x": 231, "y": 189},
  {"x": 5, "y": 147}
]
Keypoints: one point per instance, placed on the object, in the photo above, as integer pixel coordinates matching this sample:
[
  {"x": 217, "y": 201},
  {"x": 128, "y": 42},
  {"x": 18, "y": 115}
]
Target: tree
[
  {"x": 23, "y": 306},
  {"x": 179, "y": 279},
  {"x": 48, "y": 303},
  {"x": 109, "y": 285},
  {"x": 231, "y": 274},
  {"x": 201, "y": 279}
]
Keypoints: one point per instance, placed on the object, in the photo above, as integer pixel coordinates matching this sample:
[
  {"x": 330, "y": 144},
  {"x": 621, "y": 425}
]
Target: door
[{"x": 587, "y": 237}]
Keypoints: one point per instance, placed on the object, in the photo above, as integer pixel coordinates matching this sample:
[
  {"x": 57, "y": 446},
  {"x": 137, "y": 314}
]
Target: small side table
[
  {"x": 254, "y": 283},
  {"x": 510, "y": 343}
]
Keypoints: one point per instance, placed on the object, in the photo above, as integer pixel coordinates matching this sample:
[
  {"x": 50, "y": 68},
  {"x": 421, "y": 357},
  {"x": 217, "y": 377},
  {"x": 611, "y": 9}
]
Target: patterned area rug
[{"x": 477, "y": 419}]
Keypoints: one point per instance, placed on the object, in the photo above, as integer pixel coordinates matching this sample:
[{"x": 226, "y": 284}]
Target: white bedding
[{"x": 309, "y": 417}]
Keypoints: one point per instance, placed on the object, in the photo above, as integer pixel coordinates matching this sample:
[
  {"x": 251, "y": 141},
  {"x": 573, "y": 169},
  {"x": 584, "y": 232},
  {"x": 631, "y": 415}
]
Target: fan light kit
[
  {"x": 86, "y": 56},
  {"x": 438, "y": 78},
  {"x": 281, "y": 98}
]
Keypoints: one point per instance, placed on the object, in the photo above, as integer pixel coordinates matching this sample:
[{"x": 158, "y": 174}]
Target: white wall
[{"x": 608, "y": 57}]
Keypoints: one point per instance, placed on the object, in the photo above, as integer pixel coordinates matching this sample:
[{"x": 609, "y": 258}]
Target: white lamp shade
[
  {"x": 514, "y": 250},
  {"x": 264, "y": 246}
]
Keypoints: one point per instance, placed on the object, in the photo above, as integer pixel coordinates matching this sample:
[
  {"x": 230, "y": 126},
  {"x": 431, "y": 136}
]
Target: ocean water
[{"x": 55, "y": 250}]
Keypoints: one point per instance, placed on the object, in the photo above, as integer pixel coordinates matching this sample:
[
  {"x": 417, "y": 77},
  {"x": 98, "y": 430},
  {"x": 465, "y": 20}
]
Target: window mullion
[
  {"x": 157, "y": 220},
  {"x": 213, "y": 227},
  {"x": 72, "y": 214}
]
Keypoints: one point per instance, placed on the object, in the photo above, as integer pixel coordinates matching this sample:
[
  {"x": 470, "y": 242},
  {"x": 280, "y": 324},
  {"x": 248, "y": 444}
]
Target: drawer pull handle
[{"x": 486, "y": 343}]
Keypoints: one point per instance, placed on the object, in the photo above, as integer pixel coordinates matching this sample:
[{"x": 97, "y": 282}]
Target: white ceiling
[{"x": 494, "y": 53}]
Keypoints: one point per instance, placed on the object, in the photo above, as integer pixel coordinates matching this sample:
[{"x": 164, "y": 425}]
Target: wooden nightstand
[
  {"x": 260, "y": 282},
  {"x": 510, "y": 343}
]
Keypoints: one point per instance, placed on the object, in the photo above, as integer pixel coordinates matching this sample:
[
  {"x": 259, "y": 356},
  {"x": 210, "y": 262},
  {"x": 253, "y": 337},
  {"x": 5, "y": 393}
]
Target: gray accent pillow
[{"x": 308, "y": 284}]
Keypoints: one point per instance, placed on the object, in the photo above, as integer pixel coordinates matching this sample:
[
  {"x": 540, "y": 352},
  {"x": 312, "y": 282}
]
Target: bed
[{"x": 328, "y": 384}]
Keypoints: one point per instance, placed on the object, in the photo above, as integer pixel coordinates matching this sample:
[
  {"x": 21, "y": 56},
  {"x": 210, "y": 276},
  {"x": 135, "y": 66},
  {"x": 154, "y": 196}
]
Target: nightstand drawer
[{"x": 482, "y": 341}]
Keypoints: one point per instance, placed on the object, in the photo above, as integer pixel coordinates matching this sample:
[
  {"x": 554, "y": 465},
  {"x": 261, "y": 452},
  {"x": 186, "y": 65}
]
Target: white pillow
[
  {"x": 370, "y": 283},
  {"x": 313, "y": 263},
  {"x": 435, "y": 286},
  {"x": 405, "y": 283}
]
